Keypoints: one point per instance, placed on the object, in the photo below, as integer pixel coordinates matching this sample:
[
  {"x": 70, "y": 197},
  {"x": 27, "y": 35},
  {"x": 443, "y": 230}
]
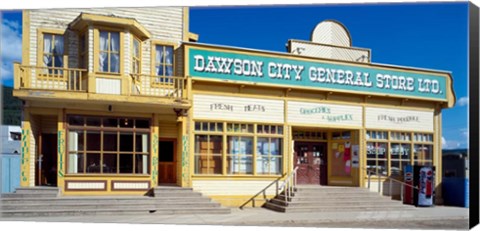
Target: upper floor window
[
  {"x": 136, "y": 56},
  {"x": 53, "y": 50},
  {"x": 109, "y": 58},
  {"x": 163, "y": 60}
]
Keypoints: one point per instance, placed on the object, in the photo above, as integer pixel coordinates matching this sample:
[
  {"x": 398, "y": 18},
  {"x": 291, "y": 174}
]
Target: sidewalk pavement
[{"x": 442, "y": 217}]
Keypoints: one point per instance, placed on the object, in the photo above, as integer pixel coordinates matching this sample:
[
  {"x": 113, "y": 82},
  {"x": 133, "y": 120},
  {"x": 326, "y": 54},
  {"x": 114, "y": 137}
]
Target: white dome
[{"x": 332, "y": 33}]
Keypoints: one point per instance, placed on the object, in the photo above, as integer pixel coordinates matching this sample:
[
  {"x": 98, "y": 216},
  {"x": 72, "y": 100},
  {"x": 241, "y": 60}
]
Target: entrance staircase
[
  {"x": 45, "y": 201},
  {"x": 310, "y": 198}
]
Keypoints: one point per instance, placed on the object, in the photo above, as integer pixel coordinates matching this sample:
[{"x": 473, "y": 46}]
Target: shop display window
[
  {"x": 269, "y": 155},
  {"x": 99, "y": 145},
  {"x": 403, "y": 148},
  {"x": 244, "y": 148},
  {"x": 208, "y": 154},
  {"x": 377, "y": 158}
]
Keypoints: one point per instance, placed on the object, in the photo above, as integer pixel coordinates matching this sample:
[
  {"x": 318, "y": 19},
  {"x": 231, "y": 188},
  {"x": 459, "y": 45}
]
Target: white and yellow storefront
[{"x": 257, "y": 116}]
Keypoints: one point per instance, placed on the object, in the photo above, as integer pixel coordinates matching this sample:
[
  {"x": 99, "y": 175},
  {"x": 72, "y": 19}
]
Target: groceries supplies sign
[{"x": 293, "y": 72}]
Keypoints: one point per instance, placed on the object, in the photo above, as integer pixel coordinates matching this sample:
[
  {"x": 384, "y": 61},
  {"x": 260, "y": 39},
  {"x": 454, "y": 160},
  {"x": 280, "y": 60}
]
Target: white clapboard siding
[
  {"x": 394, "y": 119},
  {"x": 109, "y": 86},
  {"x": 329, "y": 32},
  {"x": 271, "y": 111},
  {"x": 352, "y": 114},
  {"x": 231, "y": 187},
  {"x": 163, "y": 23},
  {"x": 90, "y": 50},
  {"x": 127, "y": 62}
]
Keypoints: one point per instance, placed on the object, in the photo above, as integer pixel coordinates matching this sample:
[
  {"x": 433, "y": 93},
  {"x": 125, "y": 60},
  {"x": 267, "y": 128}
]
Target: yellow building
[{"x": 118, "y": 101}]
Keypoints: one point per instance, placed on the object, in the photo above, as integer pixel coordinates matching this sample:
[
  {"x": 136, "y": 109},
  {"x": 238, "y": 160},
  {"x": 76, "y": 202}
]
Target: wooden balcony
[
  {"x": 73, "y": 84},
  {"x": 50, "y": 78}
]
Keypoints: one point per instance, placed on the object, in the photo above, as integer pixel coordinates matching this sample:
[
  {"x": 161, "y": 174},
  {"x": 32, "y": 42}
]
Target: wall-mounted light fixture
[{"x": 180, "y": 112}]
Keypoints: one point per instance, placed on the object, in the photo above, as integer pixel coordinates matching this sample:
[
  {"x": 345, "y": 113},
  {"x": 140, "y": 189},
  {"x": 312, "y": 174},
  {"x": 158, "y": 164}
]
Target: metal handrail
[
  {"x": 390, "y": 179},
  {"x": 288, "y": 187}
]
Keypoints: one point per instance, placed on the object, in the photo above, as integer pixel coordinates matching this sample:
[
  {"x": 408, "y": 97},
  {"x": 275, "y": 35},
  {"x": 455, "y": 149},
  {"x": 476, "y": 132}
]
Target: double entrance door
[{"x": 312, "y": 161}]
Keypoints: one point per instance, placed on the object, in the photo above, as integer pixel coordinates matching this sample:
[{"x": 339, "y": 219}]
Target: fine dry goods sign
[
  {"x": 388, "y": 118},
  {"x": 289, "y": 70},
  {"x": 237, "y": 108},
  {"x": 320, "y": 113}
]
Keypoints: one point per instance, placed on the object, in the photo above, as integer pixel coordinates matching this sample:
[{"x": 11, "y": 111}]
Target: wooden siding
[
  {"x": 49, "y": 124},
  {"x": 168, "y": 130},
  {"x": 375, "y": 119},
  {"x": 266, "y": 110}
]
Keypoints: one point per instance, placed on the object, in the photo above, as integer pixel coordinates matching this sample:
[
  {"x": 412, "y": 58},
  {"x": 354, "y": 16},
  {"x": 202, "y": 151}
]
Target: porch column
[
  {"x": 61, "y": 151},
  {"x": 183, "y": 148},
  {"x": 28, "y": 155},
  {"x": 154, "y": 151}
]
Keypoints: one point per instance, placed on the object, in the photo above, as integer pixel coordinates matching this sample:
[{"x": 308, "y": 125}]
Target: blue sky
[{"x": 424, "y": 35}]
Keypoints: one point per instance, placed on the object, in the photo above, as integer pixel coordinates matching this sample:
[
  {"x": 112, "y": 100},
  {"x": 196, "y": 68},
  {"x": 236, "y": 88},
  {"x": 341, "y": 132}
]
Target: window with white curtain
[
  {"x": 53, "y": 49},
  {"x": 109, "y": 55},
  {"x": 163, "y": 60},
  {"x": 136, "y": 59}
]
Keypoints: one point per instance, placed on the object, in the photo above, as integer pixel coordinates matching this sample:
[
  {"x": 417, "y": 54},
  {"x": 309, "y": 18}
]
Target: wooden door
[
  {"x": 46, "y": 160},
  {"x": 311, "y": 160},
  {"x": 167, "y": 173}
]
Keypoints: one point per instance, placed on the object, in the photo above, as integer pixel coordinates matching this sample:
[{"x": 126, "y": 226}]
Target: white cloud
[
  {"x": 450, "y": 144},
  {"x": 464, "y": 132},
  {"x": 463, "y": 101},
  {"x": 11, "y": 47}
]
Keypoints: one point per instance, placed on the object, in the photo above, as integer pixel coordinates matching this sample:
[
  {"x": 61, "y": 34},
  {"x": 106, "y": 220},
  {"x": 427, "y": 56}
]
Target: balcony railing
[
  {"x": 79, "y": 80},
  {"x": 50, "y": 78},
  {"x": 163, "y": 86}
]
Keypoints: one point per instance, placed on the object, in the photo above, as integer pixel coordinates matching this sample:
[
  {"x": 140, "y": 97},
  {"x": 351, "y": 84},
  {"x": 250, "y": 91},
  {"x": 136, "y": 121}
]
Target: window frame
[
  {"x": 153, "y": 61},
  {"x": 200, "y": 129},
  {"x": 101, "y": 129},
  {"x": 411, "y": 142},
  {"x": 40, "y": 47},
  {"x": 136, "y": 59},
  {"x": 96, "y": 51}
]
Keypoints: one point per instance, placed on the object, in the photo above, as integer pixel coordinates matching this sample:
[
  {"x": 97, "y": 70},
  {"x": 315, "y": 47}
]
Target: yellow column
[
  {"x": 25, "y": 161},
  {"x": 154, "y": 150},
  {"x": 184, "y": 147},
  {"x": 61, "y": 147}
]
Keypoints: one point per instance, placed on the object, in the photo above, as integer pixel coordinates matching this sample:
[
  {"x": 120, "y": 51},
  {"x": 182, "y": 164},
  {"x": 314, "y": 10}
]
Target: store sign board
[
  {"x": 397, "y": 119},
  {"x": 237, "y": 108},
  {"x": 290, "y": 71},
  {"x": 325, "y": 114}
]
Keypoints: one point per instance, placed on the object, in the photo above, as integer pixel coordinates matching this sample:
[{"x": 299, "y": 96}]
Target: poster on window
[{"x": 355, "y": 158}]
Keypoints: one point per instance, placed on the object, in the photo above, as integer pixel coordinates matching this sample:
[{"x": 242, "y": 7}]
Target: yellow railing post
[
  {"x": 16, "y": 76},
  {"x": 188, "y": 88}
]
